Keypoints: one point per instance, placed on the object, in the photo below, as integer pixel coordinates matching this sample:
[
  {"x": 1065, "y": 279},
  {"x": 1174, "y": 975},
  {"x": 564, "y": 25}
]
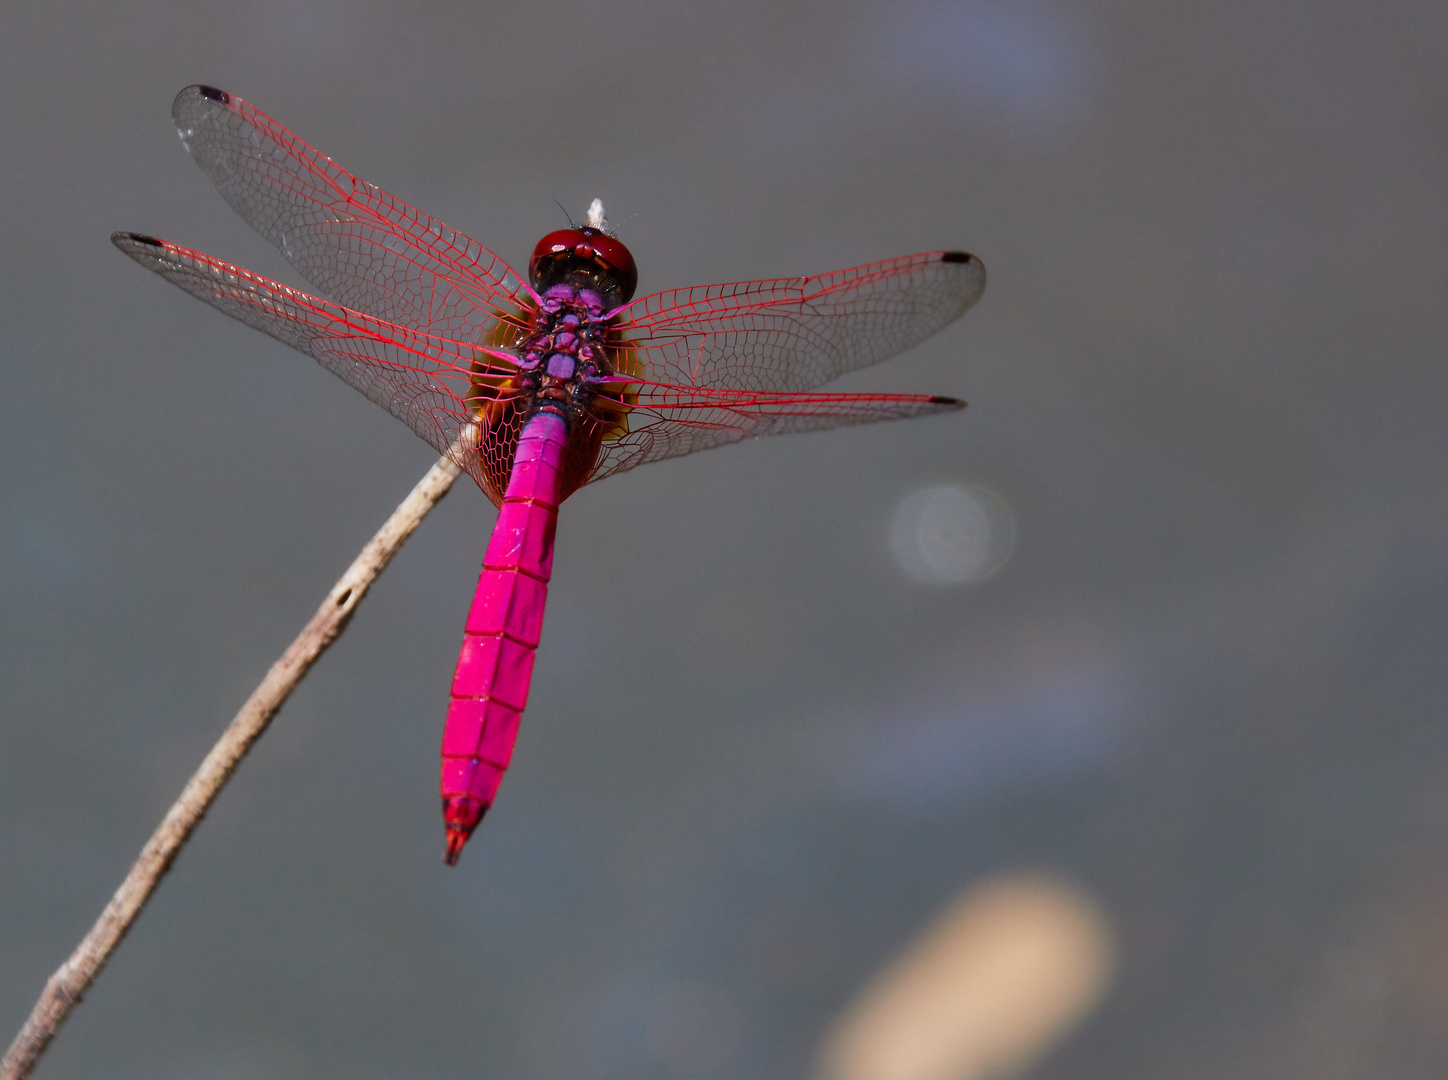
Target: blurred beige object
[{"x": 1003, "y": 974}]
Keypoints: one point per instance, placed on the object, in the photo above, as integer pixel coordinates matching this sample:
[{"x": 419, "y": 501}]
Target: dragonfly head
[{"x": 588, "y": 258}]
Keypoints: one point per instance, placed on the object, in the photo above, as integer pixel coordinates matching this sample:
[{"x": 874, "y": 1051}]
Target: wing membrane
[
  {"x": 799, "y": 333},
  {"x": 360, "y": 246},
  {"x": 423, "y": 379},
  {"x": 670, "y": 421},
  {"x": 419, "y": 378}
]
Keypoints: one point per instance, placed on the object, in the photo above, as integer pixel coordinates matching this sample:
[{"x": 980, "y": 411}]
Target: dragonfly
[{"x": 534, "y": 386}]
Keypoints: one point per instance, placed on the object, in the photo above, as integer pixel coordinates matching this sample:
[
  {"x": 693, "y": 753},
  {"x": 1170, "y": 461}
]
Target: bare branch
[{"x": 73, "y": 978}]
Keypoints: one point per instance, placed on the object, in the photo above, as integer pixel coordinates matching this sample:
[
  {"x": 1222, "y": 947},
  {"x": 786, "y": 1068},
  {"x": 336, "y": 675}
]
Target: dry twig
[{"x": 66, "y": 987}]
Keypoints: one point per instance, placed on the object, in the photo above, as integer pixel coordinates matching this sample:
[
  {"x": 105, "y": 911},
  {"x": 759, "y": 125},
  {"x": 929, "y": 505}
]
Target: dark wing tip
[
  {"x": 136, "y": 238},
  {"x": 948, "y": 402},
  {"x": 212, "y": 93},
  {"x": 970, "y": 279}
]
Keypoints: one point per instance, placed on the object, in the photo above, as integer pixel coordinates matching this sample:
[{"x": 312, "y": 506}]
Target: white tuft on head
[{"x": 595, "y": 215}]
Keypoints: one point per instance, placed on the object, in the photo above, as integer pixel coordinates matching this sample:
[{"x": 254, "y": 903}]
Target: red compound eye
[{"x": 588, "y": 252}]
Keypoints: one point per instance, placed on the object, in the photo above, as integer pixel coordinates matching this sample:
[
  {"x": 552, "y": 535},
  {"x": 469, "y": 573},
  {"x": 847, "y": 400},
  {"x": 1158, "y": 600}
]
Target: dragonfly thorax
[
  {"x": 566, "y": 364},
  {"x": 563, "y": 359}
]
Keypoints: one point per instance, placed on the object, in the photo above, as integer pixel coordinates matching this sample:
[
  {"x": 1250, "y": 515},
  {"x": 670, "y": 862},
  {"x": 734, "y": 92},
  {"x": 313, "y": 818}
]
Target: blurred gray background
[{"x": 1207, "y": 378}]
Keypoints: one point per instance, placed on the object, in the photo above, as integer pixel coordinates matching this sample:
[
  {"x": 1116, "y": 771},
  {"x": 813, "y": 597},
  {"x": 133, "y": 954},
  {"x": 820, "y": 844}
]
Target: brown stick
[{"x": 73, "y": 978}]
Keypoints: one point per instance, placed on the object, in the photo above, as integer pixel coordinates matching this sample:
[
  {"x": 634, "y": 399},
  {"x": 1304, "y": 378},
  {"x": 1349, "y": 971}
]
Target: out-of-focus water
[{"x": 1160, "y": 616}]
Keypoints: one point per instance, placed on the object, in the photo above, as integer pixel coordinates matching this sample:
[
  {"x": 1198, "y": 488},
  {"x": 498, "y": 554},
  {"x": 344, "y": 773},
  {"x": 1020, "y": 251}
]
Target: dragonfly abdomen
[{"x": 495, "y": 664}]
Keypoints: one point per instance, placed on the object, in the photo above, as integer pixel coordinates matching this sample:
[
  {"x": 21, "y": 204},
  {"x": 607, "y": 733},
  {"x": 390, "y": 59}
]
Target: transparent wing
[
  {"x": 360, "y": 246},
  {"x": 670, "y": 421},
  {"x": 799, "y": 333},
  {"x": 421, "y": 379},
  {"x": 424, "y": 380}
]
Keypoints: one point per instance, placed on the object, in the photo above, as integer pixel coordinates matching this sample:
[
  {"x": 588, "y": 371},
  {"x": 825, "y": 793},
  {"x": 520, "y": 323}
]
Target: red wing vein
[
  {"x": 364, "y": 248},
  {"x": 798, "y": 333},
  {"x": 419, "y": 378}
]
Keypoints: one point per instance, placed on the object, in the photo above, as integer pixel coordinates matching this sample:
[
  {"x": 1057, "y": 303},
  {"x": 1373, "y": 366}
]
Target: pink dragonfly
[{"x": 534, "y": 387}]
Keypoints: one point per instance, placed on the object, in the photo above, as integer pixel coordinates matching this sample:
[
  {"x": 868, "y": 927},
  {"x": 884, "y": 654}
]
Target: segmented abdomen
[{"x": 495, "y": 665}]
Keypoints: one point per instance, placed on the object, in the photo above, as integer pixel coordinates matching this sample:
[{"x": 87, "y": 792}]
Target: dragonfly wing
[
  {"x": 799, "y": 333},
  {"x": 670, "y": 421},
  {"x": 360, "y": 246},
  {"x": 420, "y": 379}
]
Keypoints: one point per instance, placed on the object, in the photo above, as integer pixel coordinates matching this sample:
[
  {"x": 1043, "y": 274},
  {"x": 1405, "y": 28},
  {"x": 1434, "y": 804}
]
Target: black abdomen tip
[
  {"x": 214, "y": 94},
  {"x": 957, "y": 256}
]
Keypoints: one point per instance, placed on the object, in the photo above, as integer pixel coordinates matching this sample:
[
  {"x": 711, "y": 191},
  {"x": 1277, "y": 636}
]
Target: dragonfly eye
[{"x": 587, "y": 258}]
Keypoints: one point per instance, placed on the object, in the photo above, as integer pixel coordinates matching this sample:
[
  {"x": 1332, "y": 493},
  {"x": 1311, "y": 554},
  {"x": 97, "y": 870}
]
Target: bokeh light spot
[
  {"x": 950, "y": 535},
  {"x": 1006, "y": 971}
]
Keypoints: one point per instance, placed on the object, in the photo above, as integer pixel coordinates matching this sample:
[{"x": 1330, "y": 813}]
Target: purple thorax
[{"x": 559, "y": 295}]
